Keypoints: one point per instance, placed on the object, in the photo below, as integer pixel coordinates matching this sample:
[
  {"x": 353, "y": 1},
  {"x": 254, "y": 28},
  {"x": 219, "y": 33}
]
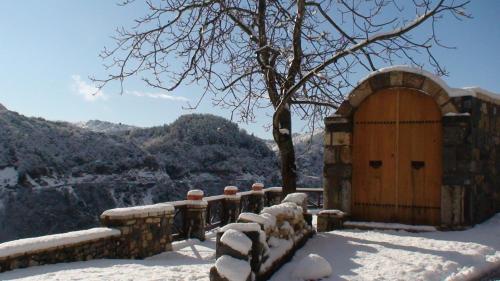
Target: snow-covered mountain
[
  {"x": 56, "y": 177},
  {"x": 104, "y": 126},
  {"x": 309, "y": 157}
]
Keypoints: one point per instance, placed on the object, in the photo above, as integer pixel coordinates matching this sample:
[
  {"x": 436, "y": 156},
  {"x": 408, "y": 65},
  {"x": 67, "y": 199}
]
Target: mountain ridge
[{"x": 57, "y": 177}]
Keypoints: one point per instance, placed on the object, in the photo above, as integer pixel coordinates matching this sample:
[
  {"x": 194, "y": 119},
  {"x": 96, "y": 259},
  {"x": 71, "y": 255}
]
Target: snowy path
[
  {"x": 400, "y": 255},
  {"x": 353, "y": 254}
]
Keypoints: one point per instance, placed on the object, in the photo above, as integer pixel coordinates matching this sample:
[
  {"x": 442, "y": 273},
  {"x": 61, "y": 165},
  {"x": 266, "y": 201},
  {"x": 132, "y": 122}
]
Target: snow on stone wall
[{"x": 21, "y": 246}]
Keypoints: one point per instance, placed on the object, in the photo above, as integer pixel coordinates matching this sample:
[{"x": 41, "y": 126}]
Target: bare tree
[{"x": 292, "y": 56}]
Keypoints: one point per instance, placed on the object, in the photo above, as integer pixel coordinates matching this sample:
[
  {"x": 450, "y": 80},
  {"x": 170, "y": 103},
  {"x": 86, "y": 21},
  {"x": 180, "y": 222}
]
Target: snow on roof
[
  {"x": 477, "y": 92},
  {"x": 237, "y": 240},
  {"x": 452, "y": 92},
  {"x": 21, "y": 246},
  {"x": 406, "y": 68},
  {"x": 232, "y": 269},
  {"x": 139, "y": 211}
]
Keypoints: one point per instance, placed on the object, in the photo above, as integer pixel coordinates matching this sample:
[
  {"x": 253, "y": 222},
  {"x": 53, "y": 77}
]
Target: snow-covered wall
[{"x": 81, "y": 245}]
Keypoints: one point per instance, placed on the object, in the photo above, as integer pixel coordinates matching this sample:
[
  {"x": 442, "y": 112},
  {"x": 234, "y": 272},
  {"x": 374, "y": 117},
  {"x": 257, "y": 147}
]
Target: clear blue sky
[{"x": 49, "y": 48}]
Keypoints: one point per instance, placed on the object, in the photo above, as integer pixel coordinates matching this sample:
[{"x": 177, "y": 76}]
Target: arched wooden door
[{"x": 397, "y": 160}]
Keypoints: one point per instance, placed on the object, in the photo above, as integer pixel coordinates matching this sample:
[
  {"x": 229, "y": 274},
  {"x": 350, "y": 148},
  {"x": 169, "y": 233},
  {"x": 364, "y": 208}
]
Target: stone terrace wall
[
  {"x": 145, "y": 230},
  {"x": 83, "y": 245},
  {"x": 137, "y": 232},
  {"x": 476, "y": 161}
]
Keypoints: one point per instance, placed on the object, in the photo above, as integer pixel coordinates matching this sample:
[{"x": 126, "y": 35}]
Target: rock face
[
  {"x": 2, "y": 108},
  {"x": 56, "y": 177}
]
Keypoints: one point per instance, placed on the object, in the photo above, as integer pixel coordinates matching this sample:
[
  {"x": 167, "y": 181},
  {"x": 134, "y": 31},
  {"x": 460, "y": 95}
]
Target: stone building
[{"x": 404, "y": 147}]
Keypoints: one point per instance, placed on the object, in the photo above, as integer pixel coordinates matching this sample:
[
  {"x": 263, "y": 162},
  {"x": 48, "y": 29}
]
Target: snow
[
  {"x": 279, "y": 247},
  {"x": 241, "y": 227},
  {"x": 297, "y": 198},
  {"x": 287, "y": 209},
  {"x": 266, "y": 220},
  {"x": 312, "y": 267},
  {"x": 394, "y": 226},
  {"x": 232, "y": 269},
  {"x": 334, "y": 212},
  {"x": 258, "y": 184},
  {"x": 195, "y": 192},
  {"x": 231, "y": 188},
  {"x": 271, "y": 220},
  {"x": 214, "y": 198},
  {"x": 457, "y": 114},
  {"x": 452, "y": 92},
  {"x": 8, "y": 176},
  {"x": 400, "y": 255},
  {"x": 354, "y": 255},
  {"x": 190, "y": 260},
  {"x": 237, "y": 240},
  {"x": 274, "y": 189},
  {"x": 475, "y": 92},
  {"x": 284, "y": 131},
  {"x": 139, "y": 211},
  {"x": 22, "y": 246},
  {"x": 188, "y": 202}
]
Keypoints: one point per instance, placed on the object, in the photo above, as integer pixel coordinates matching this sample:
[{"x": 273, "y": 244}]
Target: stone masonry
[{"x": 470, "y": 191}]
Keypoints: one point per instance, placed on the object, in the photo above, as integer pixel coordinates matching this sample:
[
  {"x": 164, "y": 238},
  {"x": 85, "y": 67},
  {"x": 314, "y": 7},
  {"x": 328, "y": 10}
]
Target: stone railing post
[
  {"x": 145, "y": 230},
  {"x": 230, "y": 205},
  {"x": 194, "y": 215},
  {"x": 274, "y": 195},
  {"x": 256, "y": 198}
]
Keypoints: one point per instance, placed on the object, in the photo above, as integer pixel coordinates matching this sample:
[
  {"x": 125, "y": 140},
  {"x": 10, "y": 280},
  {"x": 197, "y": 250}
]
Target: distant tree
[{"x": 291, "y": 56}]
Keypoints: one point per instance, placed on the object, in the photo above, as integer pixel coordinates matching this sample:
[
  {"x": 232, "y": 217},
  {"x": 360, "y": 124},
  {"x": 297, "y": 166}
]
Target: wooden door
[{"x": 397, "y": 166}]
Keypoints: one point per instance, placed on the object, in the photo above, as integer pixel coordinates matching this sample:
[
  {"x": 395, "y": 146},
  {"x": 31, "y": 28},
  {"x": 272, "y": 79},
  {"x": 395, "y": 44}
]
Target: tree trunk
[{"x": 283, "y": 137}]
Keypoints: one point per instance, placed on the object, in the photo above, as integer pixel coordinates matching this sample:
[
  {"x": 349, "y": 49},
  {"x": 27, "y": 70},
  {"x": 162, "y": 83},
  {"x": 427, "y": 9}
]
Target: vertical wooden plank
[
  {"x": 373, "y": 196},
  {"x": 420, "y": 163}
]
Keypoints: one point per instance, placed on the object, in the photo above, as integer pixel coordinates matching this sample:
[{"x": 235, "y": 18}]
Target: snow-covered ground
[
  {"x": 353, "y": 255},
  {"x": 401, "y": 255}
]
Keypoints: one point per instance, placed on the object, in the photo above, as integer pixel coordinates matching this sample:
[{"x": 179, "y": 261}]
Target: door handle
[
  {"x": 375, "y": 164},
  {"x": 417, "y": 165}
]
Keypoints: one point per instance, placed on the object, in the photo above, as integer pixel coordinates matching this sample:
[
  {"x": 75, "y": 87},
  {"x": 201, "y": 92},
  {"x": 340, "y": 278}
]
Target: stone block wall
[
  {"x": 73, "y": 246},
  {"x": 337, "y": 170},
  {"x": 470, "y": 191},
  {"x": 472, "y": 156},
  {"x": 144, "y": 231},
  {"x": 134, "y": 232}
]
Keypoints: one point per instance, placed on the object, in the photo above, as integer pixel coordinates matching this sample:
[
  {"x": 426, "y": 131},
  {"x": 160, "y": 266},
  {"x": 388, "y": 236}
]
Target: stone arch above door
[{"x": 399, "y": 76}]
